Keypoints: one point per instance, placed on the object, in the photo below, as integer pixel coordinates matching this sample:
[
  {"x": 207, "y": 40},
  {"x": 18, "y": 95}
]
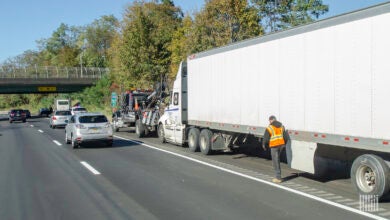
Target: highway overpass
[{"x": 25, "y": 80}]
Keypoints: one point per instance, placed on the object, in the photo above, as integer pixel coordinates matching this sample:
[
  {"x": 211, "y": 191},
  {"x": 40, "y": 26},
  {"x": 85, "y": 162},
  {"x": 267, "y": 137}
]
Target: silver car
[
  {"x": 58, "y": 118},
  {"x": 88, "y": 127}
]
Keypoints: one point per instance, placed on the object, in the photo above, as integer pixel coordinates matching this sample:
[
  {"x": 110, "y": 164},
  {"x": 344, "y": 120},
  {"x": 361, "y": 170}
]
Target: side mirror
[{"x": 67, "y": 121}]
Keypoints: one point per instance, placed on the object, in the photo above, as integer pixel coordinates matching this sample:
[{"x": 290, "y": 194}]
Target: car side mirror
[{"x": 67, "y": 121}]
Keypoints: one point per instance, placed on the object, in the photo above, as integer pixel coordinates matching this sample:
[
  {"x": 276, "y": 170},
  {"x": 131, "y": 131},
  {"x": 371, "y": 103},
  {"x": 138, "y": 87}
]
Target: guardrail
[{"x": 52, "y": 72}]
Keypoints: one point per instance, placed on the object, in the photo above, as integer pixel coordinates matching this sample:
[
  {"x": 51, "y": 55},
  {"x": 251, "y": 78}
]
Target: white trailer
[
  {"x": 62, "y": 104},
  {"x": 327, "y": 82}
]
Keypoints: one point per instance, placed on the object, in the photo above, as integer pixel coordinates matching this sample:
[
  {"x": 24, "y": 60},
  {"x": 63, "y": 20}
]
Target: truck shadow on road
[{"x": 325, "y": 171}]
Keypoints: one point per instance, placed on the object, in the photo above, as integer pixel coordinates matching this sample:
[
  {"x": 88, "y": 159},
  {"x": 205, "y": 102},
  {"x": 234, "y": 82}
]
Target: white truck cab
[{"x": 172, "y": 122}]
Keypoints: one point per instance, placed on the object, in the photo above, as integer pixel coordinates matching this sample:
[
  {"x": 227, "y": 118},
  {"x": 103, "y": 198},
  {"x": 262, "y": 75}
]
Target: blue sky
[{"x": 22, "y": 22}]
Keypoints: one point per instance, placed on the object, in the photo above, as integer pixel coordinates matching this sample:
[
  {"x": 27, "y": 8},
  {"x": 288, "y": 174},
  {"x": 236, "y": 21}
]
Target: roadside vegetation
[{"x": 147, "y": 44}]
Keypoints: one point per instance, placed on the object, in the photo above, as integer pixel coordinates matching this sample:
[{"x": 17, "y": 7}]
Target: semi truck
[{"x": 328, "y": 82}]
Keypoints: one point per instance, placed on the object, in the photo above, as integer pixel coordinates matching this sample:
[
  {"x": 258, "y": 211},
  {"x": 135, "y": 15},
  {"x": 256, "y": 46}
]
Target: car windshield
[
  {"x": 79, "y": 109},
  {"x": 93, "y": 119},
  {"x": 63, "y": 113}
]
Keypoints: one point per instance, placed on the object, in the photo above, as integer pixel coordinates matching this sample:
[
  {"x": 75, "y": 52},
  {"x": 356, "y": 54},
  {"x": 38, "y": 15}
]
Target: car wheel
[
  {"x": 109, "y": 143},
  {"x": 10, "y": 121},
  {"x": 53, "y": 126},
  {"x": 74, "y": 142},
  {"x": 24, "y": 121},
  {"x": 66, "y": 139}
]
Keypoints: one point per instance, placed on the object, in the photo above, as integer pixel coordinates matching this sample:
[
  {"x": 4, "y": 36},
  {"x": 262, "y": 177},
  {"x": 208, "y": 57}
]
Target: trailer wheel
[
  {"x": 205, "y": 141},
  {"x": 370, "y": 175},
  {"x": 161, "y": 134},
  {"x": 193, "y": 139},
  {"x": 139, "y": 129}
]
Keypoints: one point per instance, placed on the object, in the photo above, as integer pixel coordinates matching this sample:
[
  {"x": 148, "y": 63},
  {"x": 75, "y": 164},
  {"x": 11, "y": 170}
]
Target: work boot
[{"x": 276, "y": 180}]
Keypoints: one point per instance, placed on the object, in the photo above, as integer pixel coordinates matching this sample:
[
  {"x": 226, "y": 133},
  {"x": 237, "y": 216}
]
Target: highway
[{"x": 44, "y": 178}]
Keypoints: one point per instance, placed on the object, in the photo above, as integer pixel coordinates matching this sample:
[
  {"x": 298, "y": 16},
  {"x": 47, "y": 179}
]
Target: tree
[
  {"x": 98, "y": 37},
  {"x": 224, "y": 21},
  {"x": 281, "y": 14},
  {"x": 61, "y": 48},
  {"x": 143, "y": 46}
]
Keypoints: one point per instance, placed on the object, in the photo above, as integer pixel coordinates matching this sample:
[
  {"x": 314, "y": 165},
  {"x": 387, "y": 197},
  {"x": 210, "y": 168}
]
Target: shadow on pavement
[{"x": 118, "y": 143}]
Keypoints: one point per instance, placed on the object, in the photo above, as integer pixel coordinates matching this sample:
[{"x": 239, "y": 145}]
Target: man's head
[{"x": 271, "y": 119}]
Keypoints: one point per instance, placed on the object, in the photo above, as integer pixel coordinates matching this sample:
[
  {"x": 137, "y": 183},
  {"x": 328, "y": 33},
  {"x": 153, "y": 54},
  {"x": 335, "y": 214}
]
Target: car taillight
[
  {"x": 80, "y": 126},
  {"x": 54, "y": 118},
  {"x": 107, "y": 125}
]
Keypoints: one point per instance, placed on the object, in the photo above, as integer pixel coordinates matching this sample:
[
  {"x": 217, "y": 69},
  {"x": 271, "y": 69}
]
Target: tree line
[{"x": 151, "y": 39}]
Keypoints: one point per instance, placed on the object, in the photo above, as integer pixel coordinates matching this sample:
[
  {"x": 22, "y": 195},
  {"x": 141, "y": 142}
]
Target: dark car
[
  {"x": 28, "y": 113},
  {"x": 44, "y": 112},
  {"x": 17, "y": 115}
]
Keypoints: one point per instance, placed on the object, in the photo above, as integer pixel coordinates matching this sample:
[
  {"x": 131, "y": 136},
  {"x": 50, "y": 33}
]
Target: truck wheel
[
  {"x": 370, "y": 175},
  {"x": 205, "y": 141},
  {"x": 139, "y": 129},
  {"x": 161, "y": 134},
  {"x": 193, "y": 139}
]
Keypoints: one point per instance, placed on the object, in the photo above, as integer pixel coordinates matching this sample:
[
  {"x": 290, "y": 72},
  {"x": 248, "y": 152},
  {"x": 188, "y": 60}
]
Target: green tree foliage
[
  {"x": 224, "y": 21},
  {"x": 98, "y": 37},
  {"x": 281, "y": 14},
  {"x": 61, "y": 48},
  {"x": 181, "y": 46},
  {"x": 143, "y": 47}
]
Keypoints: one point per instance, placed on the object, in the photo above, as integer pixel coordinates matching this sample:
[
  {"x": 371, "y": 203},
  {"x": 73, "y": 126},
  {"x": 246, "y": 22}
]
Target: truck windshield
[
  {"x": 93, "y": 119},
  {"x": 63, "y": 103}
]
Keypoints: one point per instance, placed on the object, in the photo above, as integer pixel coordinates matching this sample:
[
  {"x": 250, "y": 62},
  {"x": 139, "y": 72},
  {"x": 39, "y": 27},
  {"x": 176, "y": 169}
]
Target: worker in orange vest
[{"x": 276, "y": 137}]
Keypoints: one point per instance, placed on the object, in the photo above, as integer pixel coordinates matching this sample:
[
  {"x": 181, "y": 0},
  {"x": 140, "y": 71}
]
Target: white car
[
  {"x": 88, "y": 127},
  {"x": 76, "y": 110},
  {"x": 58, "y": 118}
]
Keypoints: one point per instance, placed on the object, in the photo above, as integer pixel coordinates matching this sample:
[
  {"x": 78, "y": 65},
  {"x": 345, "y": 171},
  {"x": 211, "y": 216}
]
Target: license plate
[{"x": 94, "y": 130}]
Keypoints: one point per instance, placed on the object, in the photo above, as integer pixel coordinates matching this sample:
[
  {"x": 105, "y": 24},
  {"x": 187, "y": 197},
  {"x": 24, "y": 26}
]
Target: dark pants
[{"x": 275, "y": 153}]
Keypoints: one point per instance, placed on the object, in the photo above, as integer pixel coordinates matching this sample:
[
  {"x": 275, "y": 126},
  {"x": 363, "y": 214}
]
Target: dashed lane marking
[
  {"x": 90, "y": 168},
  {"x": 56, "y": 142},
  {"x": 40, "y": 130}
]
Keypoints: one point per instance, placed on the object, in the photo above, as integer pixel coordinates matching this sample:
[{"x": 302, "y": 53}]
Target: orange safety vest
[{"x": 276, "y": 136}]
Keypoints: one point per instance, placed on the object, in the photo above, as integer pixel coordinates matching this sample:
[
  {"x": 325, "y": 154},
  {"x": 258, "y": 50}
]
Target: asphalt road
[{"x": 41, "y": 177}]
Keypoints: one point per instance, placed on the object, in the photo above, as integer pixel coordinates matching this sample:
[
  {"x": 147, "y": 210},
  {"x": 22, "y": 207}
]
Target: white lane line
[
  {"x": 56, "y": 142},
  {"x": 40, "y": 130},
  {"x": 341, "y": 206},
  {"x": 32, "y": 126},
  {"x": 90, "y": 168}
]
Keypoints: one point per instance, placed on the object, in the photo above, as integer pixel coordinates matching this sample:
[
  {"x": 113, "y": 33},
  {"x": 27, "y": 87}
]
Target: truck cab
[{"x": 172, "y": 123}]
